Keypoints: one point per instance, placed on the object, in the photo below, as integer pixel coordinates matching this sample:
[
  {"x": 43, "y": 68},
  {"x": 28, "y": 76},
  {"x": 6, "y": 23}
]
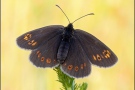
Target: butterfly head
[
  {"x": 69, "y": 27},
  {"x": 69, "y": 30}
]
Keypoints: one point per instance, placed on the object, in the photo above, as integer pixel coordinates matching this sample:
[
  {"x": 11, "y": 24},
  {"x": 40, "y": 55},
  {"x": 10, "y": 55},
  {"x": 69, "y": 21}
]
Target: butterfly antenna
[
  {"x": 83, "y": 16},
  {"x": 63, "y": 12}
]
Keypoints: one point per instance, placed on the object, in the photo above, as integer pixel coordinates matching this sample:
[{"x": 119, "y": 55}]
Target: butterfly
[{"x": 74, "y": 50}]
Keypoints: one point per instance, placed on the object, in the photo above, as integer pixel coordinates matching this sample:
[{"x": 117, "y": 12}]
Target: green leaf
[{"x": 68, "y": 83}]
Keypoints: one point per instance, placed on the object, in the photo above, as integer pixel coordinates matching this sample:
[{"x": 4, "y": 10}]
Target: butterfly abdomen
[{"x": 62, "y": 51}]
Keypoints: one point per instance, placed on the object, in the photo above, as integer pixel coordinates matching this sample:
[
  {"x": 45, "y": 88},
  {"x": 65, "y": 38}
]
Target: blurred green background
[{"x": 113, "y": 23}]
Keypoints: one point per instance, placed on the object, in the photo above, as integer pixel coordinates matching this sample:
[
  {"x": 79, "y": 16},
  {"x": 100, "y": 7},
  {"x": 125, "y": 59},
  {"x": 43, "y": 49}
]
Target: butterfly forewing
[
  {"x": 45, "y": 55},
  {"x": 35, "y": 38},
  {"x": 97, "y": 52},
  {"x": 77, "y": 63}
]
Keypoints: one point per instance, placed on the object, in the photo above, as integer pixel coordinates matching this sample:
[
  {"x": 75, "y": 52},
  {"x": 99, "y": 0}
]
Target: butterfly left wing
[
  {"x": 45, "y": 55},
  {"x": 77, "y": 63},
  {"x": 35, "y": 38},
  {"x": 97, "y": 52}
]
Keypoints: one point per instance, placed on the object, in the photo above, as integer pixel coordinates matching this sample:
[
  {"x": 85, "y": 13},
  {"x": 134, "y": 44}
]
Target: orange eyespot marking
[
  {"x": 30, "y": 42},
  {"x": 33, "y": 44},
  {"x": 106, "y": 54},
  {"x": 98, "y": 57},
  {"x": 27, "y": 37},
  {"x": 84, "y": 64},
  {"x": 76, "y": 68},
  {"x": 42, "y": 59},
  {"x": 39, "y": 55},
  {"x": 94, "y": 57},
  {"x": 48, "y": 60},
  {"x": 70, "y": 67},
  {"x": 38, "y": 52}
]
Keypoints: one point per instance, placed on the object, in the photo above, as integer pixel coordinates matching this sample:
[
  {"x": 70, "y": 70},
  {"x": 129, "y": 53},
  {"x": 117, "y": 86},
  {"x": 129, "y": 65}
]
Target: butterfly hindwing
[
  {"x": 45, "y": 55},
  {"x": 35, "y": 38},
  {"x": 97, "y": 52},
  {"x": 77, "y": 63}
]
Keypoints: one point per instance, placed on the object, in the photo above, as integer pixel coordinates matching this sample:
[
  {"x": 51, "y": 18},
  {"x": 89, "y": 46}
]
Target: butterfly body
[{"x": 65, "y": 43}]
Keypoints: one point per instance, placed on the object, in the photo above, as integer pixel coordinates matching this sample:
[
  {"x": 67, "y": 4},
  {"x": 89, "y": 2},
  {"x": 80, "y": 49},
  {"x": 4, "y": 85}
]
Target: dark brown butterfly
[{"x": 73, "y": 49}]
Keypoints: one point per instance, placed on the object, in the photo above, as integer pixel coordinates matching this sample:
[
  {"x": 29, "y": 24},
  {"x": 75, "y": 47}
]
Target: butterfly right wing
[
  {"x": 97, "y": 52},
  {"x": 34, "y": 39}
]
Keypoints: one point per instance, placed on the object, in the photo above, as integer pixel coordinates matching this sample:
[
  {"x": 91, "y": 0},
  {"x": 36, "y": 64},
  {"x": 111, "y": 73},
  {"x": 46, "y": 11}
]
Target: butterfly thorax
[
  {"x": 65, "y": 43},
  {"x": 68, "y": 32}
]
